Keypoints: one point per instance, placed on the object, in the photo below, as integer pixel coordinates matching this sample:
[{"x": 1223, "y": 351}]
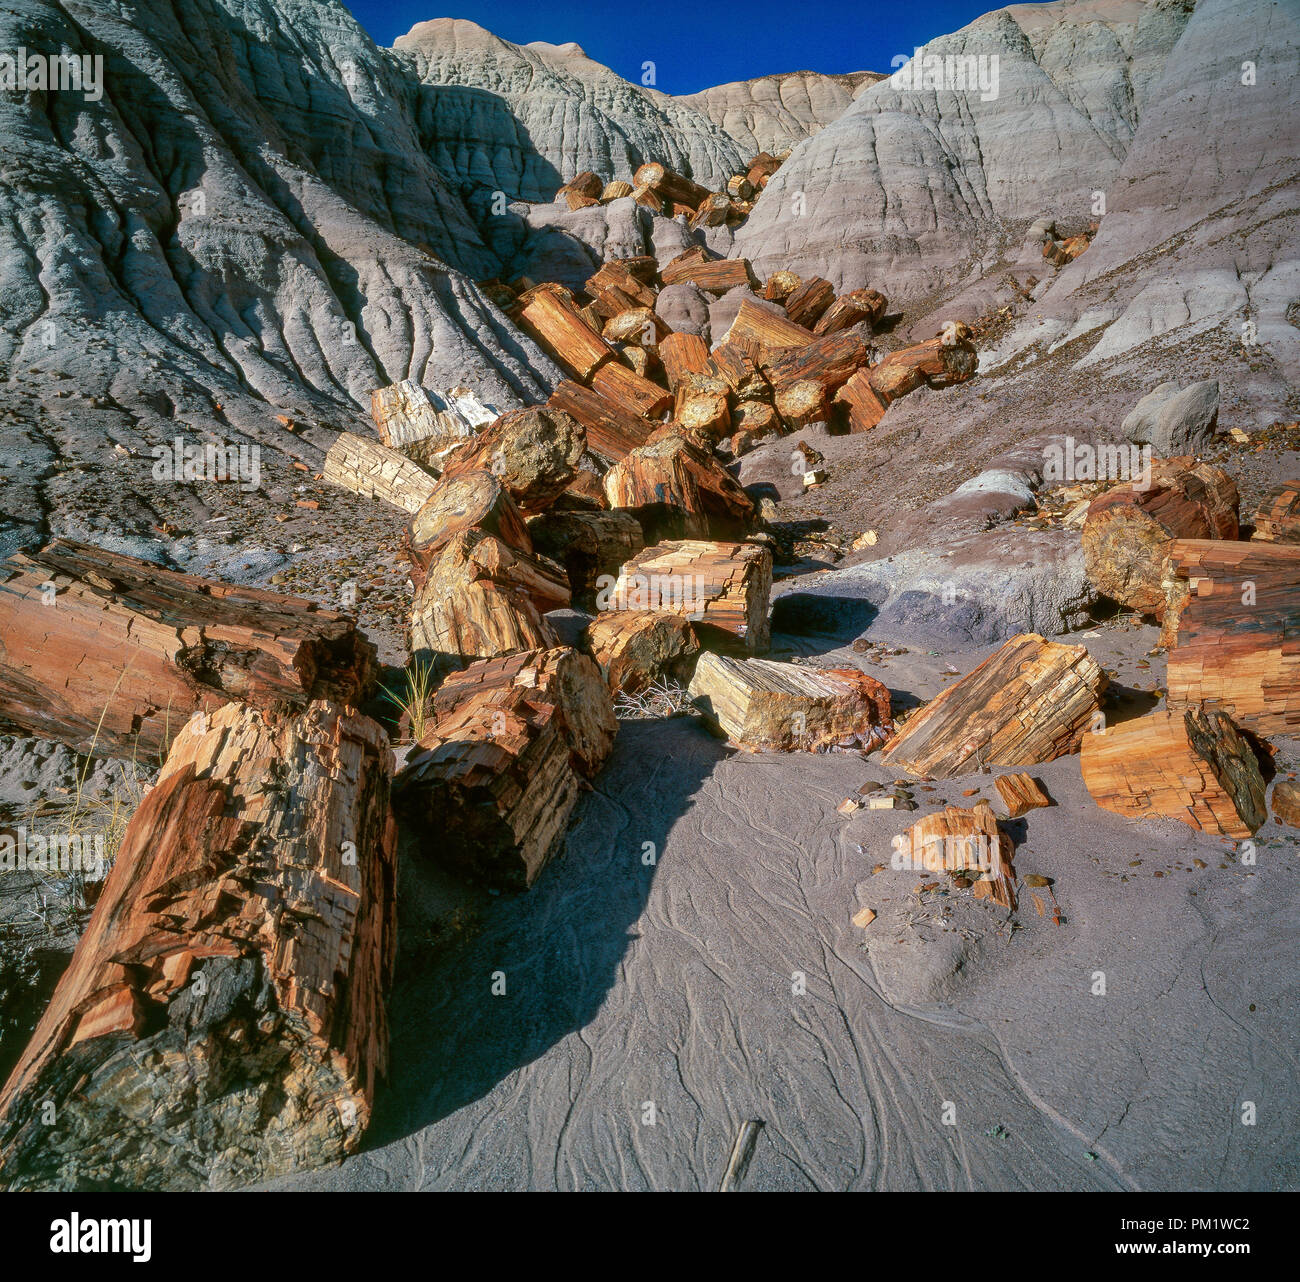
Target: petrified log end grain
[
  {"x": 222, "y": 1020},
  {"x": 100, "y": 648},
  {"x": 469, "y": 500},
  {"x": 1030, "y": 702},
  {"x": 1188, "y": 763},
  {"x": 374, "y": 471}
]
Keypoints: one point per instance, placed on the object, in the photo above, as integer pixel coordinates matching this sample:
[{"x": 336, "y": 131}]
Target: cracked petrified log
[
  {"x": 830, "y": 360},
  {"x": 613, "y": 430},
  {"x": 1029, "y": 702},
  {"x": 494, "y": 781},
  {"x": 1278, "y": 517},
  {"x": 780, "y": 285},
  {"x": 712, "y": 211},
  {"x": 222, "y": 1020},
  {"x": 852, "y": 309},
  {"x": 678, "y": 489},
  {"x": 704, "y": 406},
  {"x": 801, "y": 403},
  {"x": 713, "y": 275},
  {"x": 723, "y": 588},
  {"x": 481, "y": 599},
  {"x": 1188, "y": 763},
  {"x": 683, "y": 354},
  {"x": 98, "y": 648},
  {"x": 767, "y": 327},
  {"x": 864, "y": 406},
  {"x": 474, "y": 500},
  {"x": 587, "y": 544},
  {"x": 534, "y": 452},
  {"x": 628, "y": 389},
  {"x": 763, "y": 706},
  {"x": 761, "y": 168},
  {"x": 372, "y": 470},
  {"x": 1286, "y": 802},
  {"x": 619, "y": 286},
  {"x": 639, "y": 325},
  {"x": 549, "y": 313},
  {"x": 1236, "y": 628},
  {"x": 1130, "y": 527},
  {"x": 739, "y": 364},
  {"x": 955, "y": 839},
  {"x": 805, "y": 305},
  {"x": 1020, "y": 794},
  {"x": 636, "y": 649},
  {"x": 937, "y": 362},
  {"x": 423, "y": 423}
]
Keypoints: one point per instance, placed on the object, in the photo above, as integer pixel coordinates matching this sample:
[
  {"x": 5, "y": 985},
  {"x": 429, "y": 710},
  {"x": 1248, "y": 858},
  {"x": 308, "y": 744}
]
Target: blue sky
[{"x": 694, "y": 44}]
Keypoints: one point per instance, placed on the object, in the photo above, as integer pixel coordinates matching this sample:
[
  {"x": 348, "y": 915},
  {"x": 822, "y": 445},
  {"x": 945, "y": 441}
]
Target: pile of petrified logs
[{"x": 657, "y": 187}]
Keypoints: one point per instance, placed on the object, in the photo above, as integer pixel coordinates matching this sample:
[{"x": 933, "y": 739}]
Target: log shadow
[{"x": 558, "y": 947}]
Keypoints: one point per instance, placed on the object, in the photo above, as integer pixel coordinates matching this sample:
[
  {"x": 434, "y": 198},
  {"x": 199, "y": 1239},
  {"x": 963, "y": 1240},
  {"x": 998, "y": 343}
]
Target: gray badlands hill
[
  {"x": 525, "y": 118},
  {"x": 771, "y": 113}
]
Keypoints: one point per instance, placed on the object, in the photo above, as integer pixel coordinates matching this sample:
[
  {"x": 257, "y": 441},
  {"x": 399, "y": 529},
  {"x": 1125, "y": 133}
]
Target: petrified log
[
  {"x": 635, "y": 649},
  {"x": 1278, "y": 518},
  {"x": 647, "y": 199},
  {"x": 550, "y": 314},
  {"x": 467, "y": 501},
  {"x": 739, "y": 187},
  {"x": 1188, "y": 763},
  {"x": 851, "y": 309},
  {"x": 702, "y": 407},
  {"x": 533, "y": 452},
  {"x": 615, "y": 190},
  {"x": 640, "y": 360},
  {"x": 587, "y": 544},
  {"x": 422, "y": 423},
  {"x": 712, "y": 211},
  {"x": 97, "y": 648},
  {"x": 668, "y": 185},
  {"x": 755, "y": 422},
  {"x": 714, "y": 276},
  {"x": 831, "y": 361},
  {"x": 375, "y": 472},
  {"x": 583, "y": 188},
  {"x": 496, "y": 778},
  {"x": 802, "y": 403},
  {"x": 937, "y": 362},
  {"x": 619, "y": 285},
  {"x": 635, "y": 394},
  {"x": 1129, "y": 528},
  {"x": 805, "y": 305},
  {"x": 761, "y": 168},
  {"x": 1286, "y": 802},
  {"x": 1030, "y": 702},
  {"x": 1235, "y": 647},
  {"x": 585, "y": 493},
  {"x": 765, "y": 706},
  {"x": 677, "y": 489},
  {"x": 1020, "y": 794},
  {"x": 957, "y": 840},
  {"x": 766, "y": 327},
  {"x": 612, "y": 429},
  {"x": 481, "y": 599},
  {"x": 722, "y": 588},
  {"x": 222, "y": 1020},
  {"x": 863, "y": 403},
  {"x": 780, "y": 285},
  {"x": 683, "y": 354},
  {"x": 740, "y": 364}
]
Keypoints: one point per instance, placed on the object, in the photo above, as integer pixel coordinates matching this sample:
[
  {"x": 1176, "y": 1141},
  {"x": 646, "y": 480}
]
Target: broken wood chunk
[
  {"x": 1028, "y": 703},
  {"x": 481, "y": 598},
  {"x": 1129, "y": 528},
  {"x": 762, "y": 705},
  {"x": 113, "y": 655},
  {"x": 1187, "y": 763},
  {"x": 780, "y": 285},
  {"x": 805, "y": 305},
  {"x": 668, "y": 185},
  {"x": 677, "y": 488},
  {"x": 864, "y": 405},
  {"x": 372, "y": 470},
  {"x": 852, "y": 309},
  {"x": 1286, "y": 802},
  {"x": 636, "y": 649},
  {"x": 1278, "y": 517},
  {"x": 1234, "y": 646},
  {"x": 799, "y": 404},
  {"x": 630, "y": 391},
  {"x": 1020, "y": 794},
  {"x": 473, "y": 500},
  {"x": 683, "y": 354},
  {"x": 223, "y": 1020},
  {"x": 494, "y": 782},
  {"x": 713, "y": 276},
  {"x": 550, "y": 314},
  {"x": 959, "y": 840},
  {"x": 723, "y": 588},
  {"x": 533, "y": 452},
  {"x": 613, "y": 430},
  {"x": 767, "y": 327},
  {"x": 424, "y": 423},
  {"x": 937, "y": 362},
  {"x": 619, "y": 285},
  {"x": 615, "y": 190}
]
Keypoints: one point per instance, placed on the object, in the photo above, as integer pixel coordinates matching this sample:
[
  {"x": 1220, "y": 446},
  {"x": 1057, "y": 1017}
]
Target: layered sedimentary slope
[
  {"x": 771, "y": 113},
  {"x": 524, "y": 118},
  {"x": 913, "y": 185}
]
